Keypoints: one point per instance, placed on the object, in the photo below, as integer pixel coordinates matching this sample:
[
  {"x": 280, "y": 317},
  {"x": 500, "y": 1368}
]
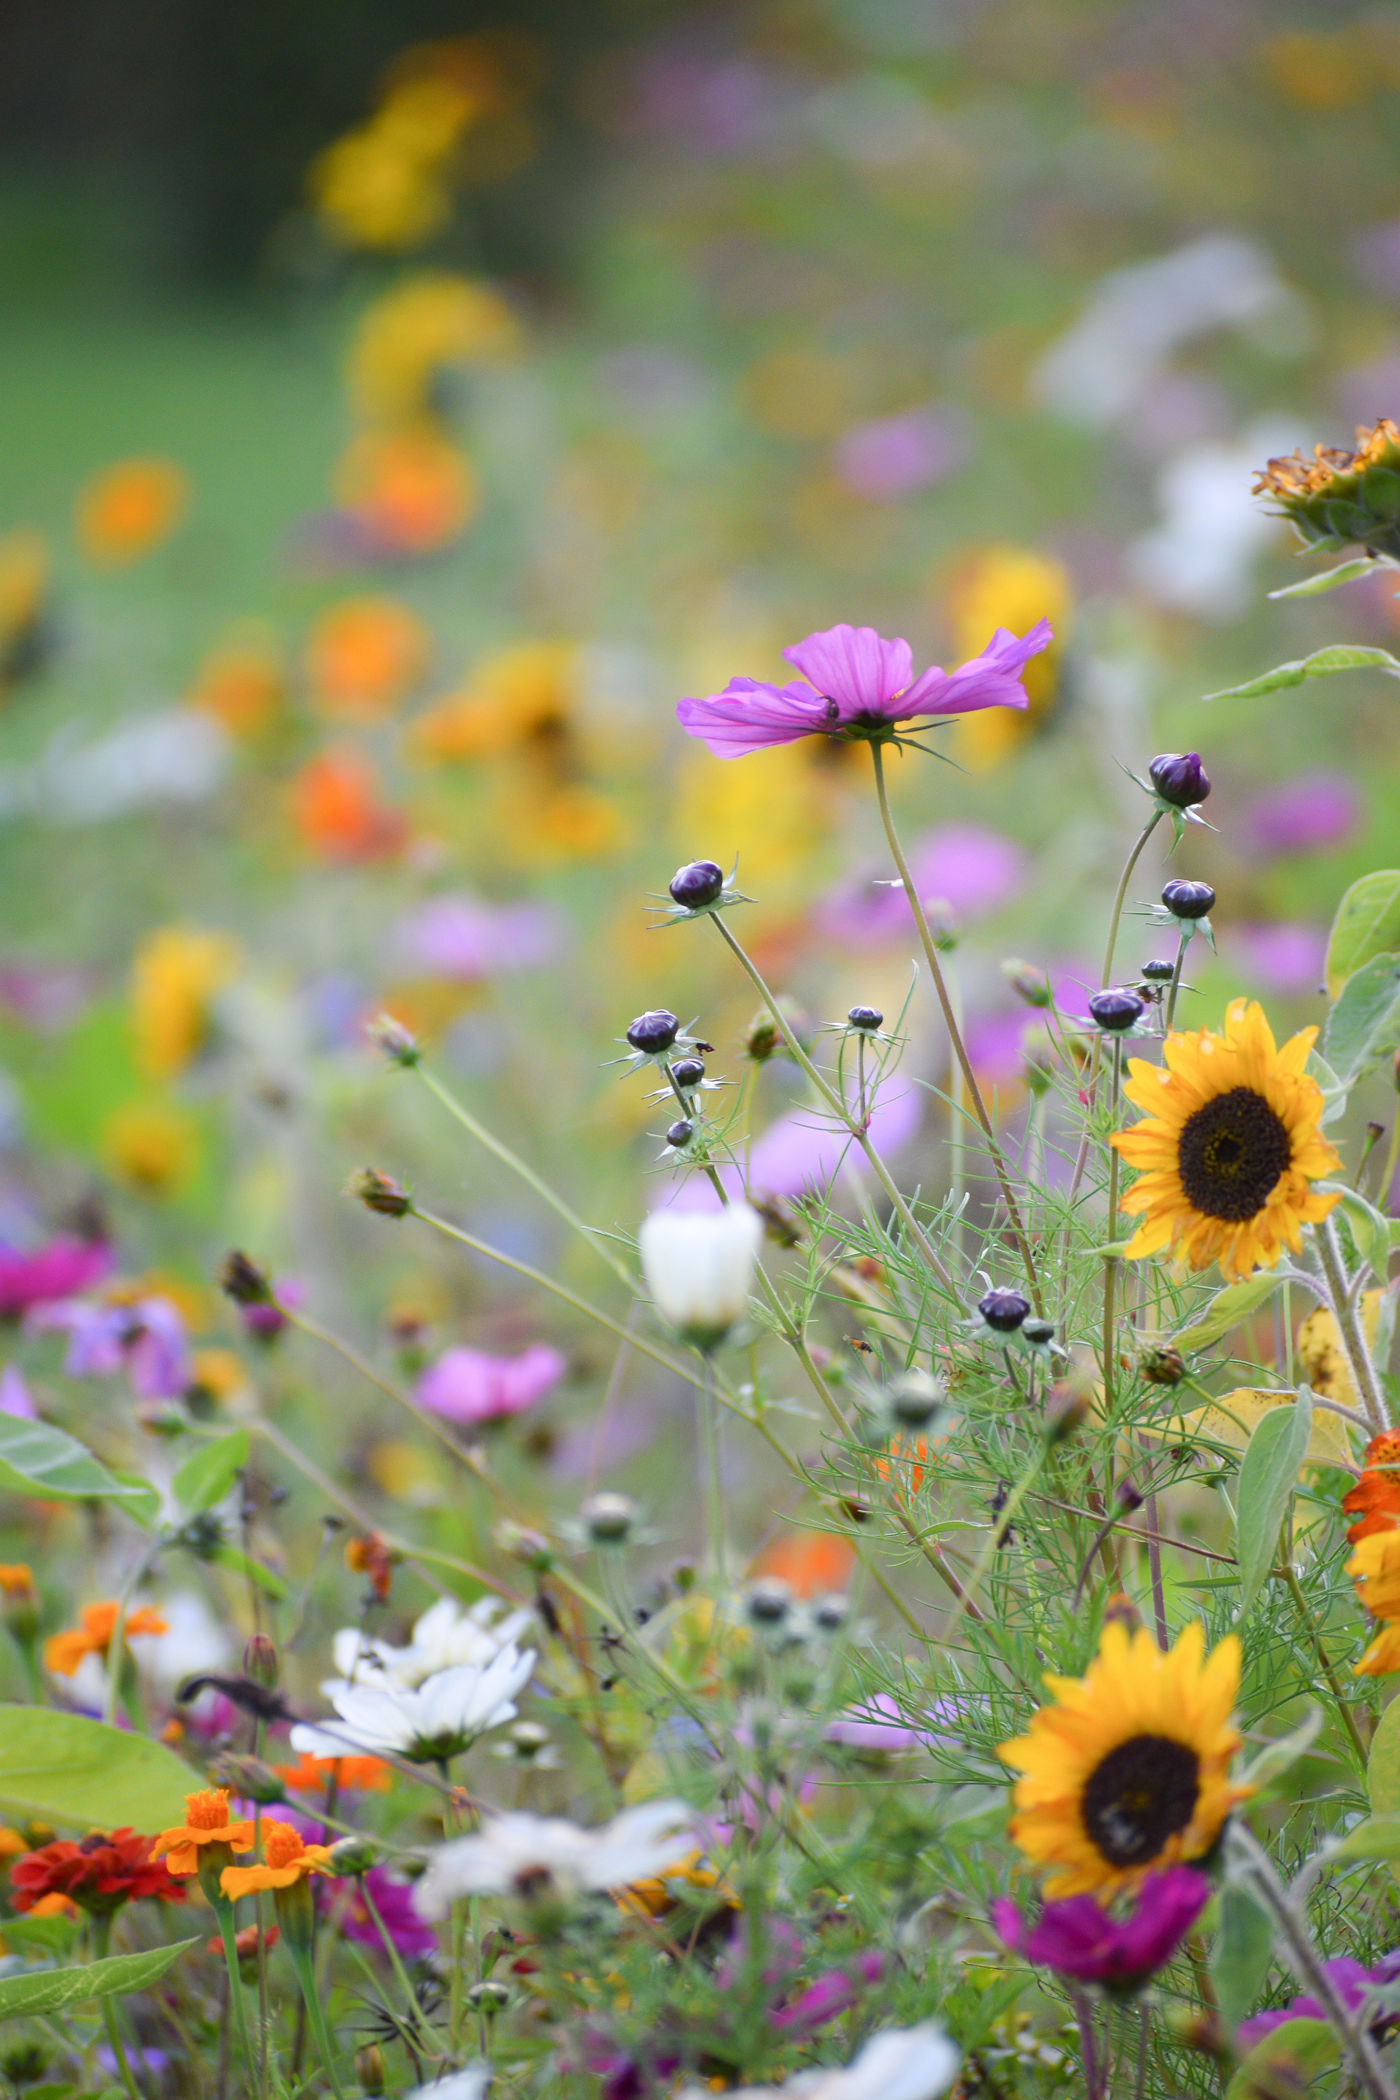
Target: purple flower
[
  {"x": 14, "y": 1395},
  {"x": 466, "y": 1385},
  {"x": 145, "y": 1337},
  {"x": 965, "y": 866},
  {"x": 858, "y": 685},
  {"x": 829, "y": 1995},
  {"x": 266, "y": 1322},
  {"x": 1283, "y": 958},
  {"x": 464, "y": 937},
  {"x": 1080, "y": 1939},
  {"x": 60, "y": 1270},
  {"x": 879, "y": 1724},
  {"x": 1352, "y": 1981},
  {"x": 896, "y": 455},
  {"x": 345, "y": 1904},
  {"x": 1303, "y": 815},
  {"x": 794, "y": 1153}
]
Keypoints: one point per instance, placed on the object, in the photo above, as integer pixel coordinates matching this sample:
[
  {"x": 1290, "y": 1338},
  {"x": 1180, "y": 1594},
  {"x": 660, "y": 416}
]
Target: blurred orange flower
[
  {"x": 412, "y": 490},
  {"x": 242, "y": 684},
  {"x": 63, "y": 1652},
  {"x": 129, "y": 508},
  {"x": 311, "y": 1775},
  {"x": 336, "y": 808},
  {"x": 362, "y": 655},
  {"x": 812, "y": 1563}
]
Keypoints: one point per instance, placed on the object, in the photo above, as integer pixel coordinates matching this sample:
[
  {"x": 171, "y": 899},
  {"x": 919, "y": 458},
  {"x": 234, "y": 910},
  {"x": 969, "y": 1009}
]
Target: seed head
[{"x": 381, "y": 1193}]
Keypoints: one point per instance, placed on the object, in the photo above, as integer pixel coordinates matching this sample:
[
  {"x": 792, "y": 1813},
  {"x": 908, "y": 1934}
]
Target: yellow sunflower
[
  {"x": 1231, "y": 1138},
  {"x": 1128, "y": 1770}
]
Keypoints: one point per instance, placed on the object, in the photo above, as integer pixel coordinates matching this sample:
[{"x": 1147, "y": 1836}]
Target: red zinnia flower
[{"x": 100, "y": 1874}]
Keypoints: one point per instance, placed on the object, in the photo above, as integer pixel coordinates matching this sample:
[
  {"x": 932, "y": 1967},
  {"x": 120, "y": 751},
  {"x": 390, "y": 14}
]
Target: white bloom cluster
[
  {"x": 519, "y": 1854},
  {"x": 902, "y": 2063}
]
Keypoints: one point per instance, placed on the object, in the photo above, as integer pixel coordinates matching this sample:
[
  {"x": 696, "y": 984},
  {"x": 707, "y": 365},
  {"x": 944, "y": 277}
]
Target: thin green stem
[
  {"x": 969, "y": 1077},
  {"x": 1344, "y": 1711},
  {"x": 994, "y": 1541},
  {"x": 1182, "y": 944},
  {"x": 1110, "y": 1261},
  {"x": 711, "y": 1478},
  {"x": 1349, "y": 1327},
  {"x": 1392, "y": 1160},
  {"x": 224, "y": 1912},
  {"x": 101, "y": 1939},
  {"x": 1120, "y": 899},
  {"x": 315, "y": 2014}
]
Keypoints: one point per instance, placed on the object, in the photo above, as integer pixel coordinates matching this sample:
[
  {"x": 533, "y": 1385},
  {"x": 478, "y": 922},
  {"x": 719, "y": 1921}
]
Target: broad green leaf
[
  {"x": 51, "y": 1938},
  {"x": 1367, "y": 924},
  {"x": 1341, "y": 656},
  {"x": 251, "y": 1570},
  {"x": 1226, "y": 1309},
  {"x": 1233, "y": 1418},
  {"x": 38, "y": 1460},
  {"x": 69, "y": 1770},
  {"x": 206, "y": 1478},
  {"x": 1369, "y": 1229},
  {"x": 1300, "y": 2049},
  {"x": 1383, "y": 1765},
  {"x": 50, "y": 1990},
  {"x": 1364, "y": 1025},
  {"x": 1267, "y": 1478},
  {"x": 1329, "y": 580},
  {"x": 1244, "y": 1949},
  {"x": 1277, "y": 1759},
  {"x": 1377, "y": 1838}
]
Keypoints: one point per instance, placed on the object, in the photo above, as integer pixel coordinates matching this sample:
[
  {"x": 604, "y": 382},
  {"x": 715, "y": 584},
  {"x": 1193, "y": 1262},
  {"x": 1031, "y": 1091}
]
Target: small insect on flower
[
  {"x": 1231, "y": 1140},
  {"x": 1127, "y": 1769}
]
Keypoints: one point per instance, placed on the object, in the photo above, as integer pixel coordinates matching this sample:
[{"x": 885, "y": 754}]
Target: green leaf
[
  {"x": 1300, "y": 2049},
  {"x": 1370, "y": 1231},
  {"x": 1341, "y": 656},
  {"x": 69, "y": 1770},
  {"x": 1329, "y": 580},
  {"x": 38, "y": 1460},
  {"x": 251, "y": 1570},
  {"x": 1277, "y": 1759},
  {"x": 1226, "y": 1309},
  {"x": 1364, "y": 1025},
  {"x": 50, "y": 1990},
  {"x": 53, "y": 1937},
  {"x": 1377, "y": 1838},
  {"x": 1244, "y": 1949},
  {"x": 1367, "y": 924},
  {"x": 1383, "y": 1765},
  {"x": 1267, "y": 1478},
  {"x": 206, "y": 1478}
]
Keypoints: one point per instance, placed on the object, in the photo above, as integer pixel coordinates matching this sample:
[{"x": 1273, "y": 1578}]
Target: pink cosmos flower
[
  {"x": 465, "y": 1385},
  {"x": 146, "y": 1338},
  {"x": 1306, "y": 814},
  {"x": 968, "y": 867},
  {"x": 59, "y": 1270},
  {"x": 1081, "y": 1939},
  {"x": 857, "y": 685},
  {"x": 464, "y": 937}
]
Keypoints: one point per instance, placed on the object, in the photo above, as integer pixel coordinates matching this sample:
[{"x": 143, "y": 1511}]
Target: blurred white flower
[
  {"x": 467, "y": 2084},
  {"x": 1201, "y": 558},
  {"x": 903, "y": 2063},
  {"x": 519, "y": 1854},
  {"x": 174, "y": 756},
  {"x": 699, "y": 1268},
  {"x": 1138, "y": 316},
  {"x": 194, "y": 1641},
  {"x": 432, "y": 1720},
  {"x": 443, "y": 1638}
]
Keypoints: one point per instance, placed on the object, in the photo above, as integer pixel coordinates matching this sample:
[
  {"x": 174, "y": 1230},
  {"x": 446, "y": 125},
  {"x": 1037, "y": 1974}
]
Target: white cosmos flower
[
  {"x": 902, "y": 2063},
  {"x": 443, "y": 1638},
  {"x": 699, "y": 1268},
  {"x": 468, "y": 2084},
  {"x": 434, "y": 1719},
  {"x": 521, "y": 1854}
]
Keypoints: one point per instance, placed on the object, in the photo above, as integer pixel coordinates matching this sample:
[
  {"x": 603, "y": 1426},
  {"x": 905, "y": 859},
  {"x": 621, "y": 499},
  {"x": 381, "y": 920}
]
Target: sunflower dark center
[
  {"x": 1141, "y": 1794},
  {"x": 1230, "y": 1155}
]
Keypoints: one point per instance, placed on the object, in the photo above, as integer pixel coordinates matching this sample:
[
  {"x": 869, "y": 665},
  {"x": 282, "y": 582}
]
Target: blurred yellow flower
[
  {"x": 1321, "y": 1360},
  {"x": 1006, "y": 586},
  {"x": 771, "y": 812},
  {"x": 1234, "y": 1417},
  {"x": 362, "y": 655},
  {"x": 1320, "y": 68},
  {"x": 242, "y": 684},
  {"x": 24, "y": 586},
  {"x": 522, "y": 697},
  {"x": 174, "y": 975},
  {"x": 413, "y": 490},
  {"x": 384, "y": 185},
  {"x": 129, "y": 508},
  {"x": 218, "y": 1377},
  {"x": 541, "y": 824},
  {"x": 411, "y": 334},
  {"x": 152, "y": 1146}
]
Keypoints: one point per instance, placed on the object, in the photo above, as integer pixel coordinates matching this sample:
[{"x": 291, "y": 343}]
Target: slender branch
[{"x": 1349, "y": 1327}]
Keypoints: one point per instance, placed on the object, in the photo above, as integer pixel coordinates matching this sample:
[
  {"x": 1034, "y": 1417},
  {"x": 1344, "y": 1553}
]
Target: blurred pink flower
[
  {"x": 463, "y": 936},
  {"x": 965, "y": 866},
  {"x": 60, "y": 1270},
  {"x": 797, "y": 1153},
  {"x": 145, "y": 1337},
  {"x": 1303, "y": 815},
  {"x": 466, "y": 1385},
  {"x": 14, "y": 1395},
  {"x": 896, "y": 455},
  {"x": 858, "y": 685},
  {"x": 1282, "y": 958}
]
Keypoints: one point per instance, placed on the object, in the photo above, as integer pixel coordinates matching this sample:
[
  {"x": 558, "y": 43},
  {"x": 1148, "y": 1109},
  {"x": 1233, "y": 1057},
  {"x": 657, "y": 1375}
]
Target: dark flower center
[
  {"x": 1230, "y": 1155},
  {"x": 1139, "y": 1796}
]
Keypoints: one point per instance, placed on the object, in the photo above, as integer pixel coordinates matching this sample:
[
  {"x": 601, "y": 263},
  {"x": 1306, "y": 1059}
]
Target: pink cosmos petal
[
  {"x": 59, "y": 1270},
  {"x": 14, "y": 1395},
  {"x": 854, "y": 666},
  {"x": 749, "y": 715},
  {"x": 465, "y": 937},
  {"x": 992, "y": 679},
  {"x": 466, "y": 1385}
]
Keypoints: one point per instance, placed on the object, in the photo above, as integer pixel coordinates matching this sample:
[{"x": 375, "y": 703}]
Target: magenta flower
[
  {"x": 464, "y": 937},
  {"x": 1080, "y": 1939},
  {"x": 60, "y": 1270},
  {"x": 829, "y": 1995},
  {"x": 857, "y": 685},
  {"x": 344, "y": 1903},
  {"x": 468, "y": 1386},
  {"x": 964, "y": 866},
  {"x": 145, "y": 1338},
  {"x": 1306, "y": 814},
  {"x": 1353, "y": 1983}
]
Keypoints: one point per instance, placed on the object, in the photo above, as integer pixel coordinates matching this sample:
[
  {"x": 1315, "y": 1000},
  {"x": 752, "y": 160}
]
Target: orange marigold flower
[
  {"x": 206, "y": 1823},
  {"x": 130, "y": 508},
  {"x": 16, "y": 1580},
  {"x": 63, "y": 1652},
  {"x": 412, "y": 490},
  {"x": 337, "y": 810},
  {"x": 287, "y": 1859},
  {"x": 362, "y": 655},
  {"x": 312, "y": 1775},
  {"x": 812, "y": 1563},
  {"x": 245, "y": 1943}
]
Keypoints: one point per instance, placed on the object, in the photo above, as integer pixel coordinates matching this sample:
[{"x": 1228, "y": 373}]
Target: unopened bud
[
  {"x": 1120, "y": 1610},
  {"x": 396, "y": 1041},
  {"x": 698, "y": 885},
  {"x": 653, "y": 1032},
  {"x": 608, "y": 1518},
  {"x": 915, "y": 1399},
  {"x": 369, "y": 2069},
  {"x": 353, "y": 1855},
  {"x": 1003, "y": 1311},
  {"x": 1188, "y": 901},
  {"x": 529, "y": 1547},
  {"x": 1028, "y": 982},
  {"x": 1163, "y": 1366},
  {"x": 260, "y": 1661},
  {"x": 688, "y": 1071},
  {"x": 769, "y": 1600},
  {"x": 866, "y": 1019},
  {"x": 1069, "y": 1408},
  {"x": 831, "y": 1613},
  {"x": 1205, "y": 2032},
  {"x": 488, "y": 1996},
  {"x": 244, "y": 1282},
  {"x": 765, "y": 1039},
  {"x": 251, "y": 1778},
  {"x": 680, "y": 1133},
  {"x": 1179, "y": 778},
  {"x": 1127, "y": 1497},
  {"x": 781, "y": 1224},
  {"x": 380, "y": 1192}
]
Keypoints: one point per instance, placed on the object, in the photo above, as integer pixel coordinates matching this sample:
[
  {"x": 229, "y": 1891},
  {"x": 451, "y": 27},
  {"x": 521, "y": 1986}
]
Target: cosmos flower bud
[
  {"x": 529, "y": 1547},
  {"x": 488, "y": 1996},
  {"x": 866, "y": 1019},
  {"x": 831, "y": 1613},
  {"x": 1188, "y": 900},
  {"x": 1004, "y": 1311},
  {"x": 251, "y": 1779},
  {"x": 352, "y": 1856},
  {"x": 381, "y": 1193},
  {"x": 1038, "y": 1334},
  {"x": 244, "y": 1282},
  {"x": 1163, "y": 1366},
  {"x": 1158, "y": 972},
  {"x": 396, "y": 1041},
  {"x": 1127, "y": 1498},
  {"x": 769, "y": 1600},
  {"x": 1179, "y": 778},
  {"x": 680, "y": 1132},
  {"x": 260, "y": 1661},
  {"x": 763, "y": 1040},
  {"x": 699, "y": 1268},
  {"x": 369, "y": 2069},
  {"x": 1027, "y": 982},
  {"x": 1116, "y": 1010},
  {"x": 608, "y": 1518},
  {"x": 688, "y": 1071},
  {"x": 915, "y": 1399},
  {"x": 1069, "y": 1410},
  {"x": 653, "y": 1033},
  {"x": 781, "y": 1224},
  {"x": 697, "y": 885}
]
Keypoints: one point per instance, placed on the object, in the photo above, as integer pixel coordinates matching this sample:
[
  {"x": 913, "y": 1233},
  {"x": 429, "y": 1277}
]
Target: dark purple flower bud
[
  {"x": 866, "y": 1019},
  {"x": 653, "y": 1033},
  {"x": 769, "y": 1600},
  {"x": 697, "y": 885},
  {"x": 1180, "y": 778},
  {"x": 688, "y": 1071},
  {"x": 1116, "y": 1010},
  {"x": 681, "y": 1132},
  {"x": 1158, "y": 972},
  {"x": 1004, "y": 1311},
  {"x": 1189, "y": 900}
]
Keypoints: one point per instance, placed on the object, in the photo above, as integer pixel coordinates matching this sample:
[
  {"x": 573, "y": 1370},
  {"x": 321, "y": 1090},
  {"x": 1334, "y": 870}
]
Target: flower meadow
[{"x": 697, "y": 1341}]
